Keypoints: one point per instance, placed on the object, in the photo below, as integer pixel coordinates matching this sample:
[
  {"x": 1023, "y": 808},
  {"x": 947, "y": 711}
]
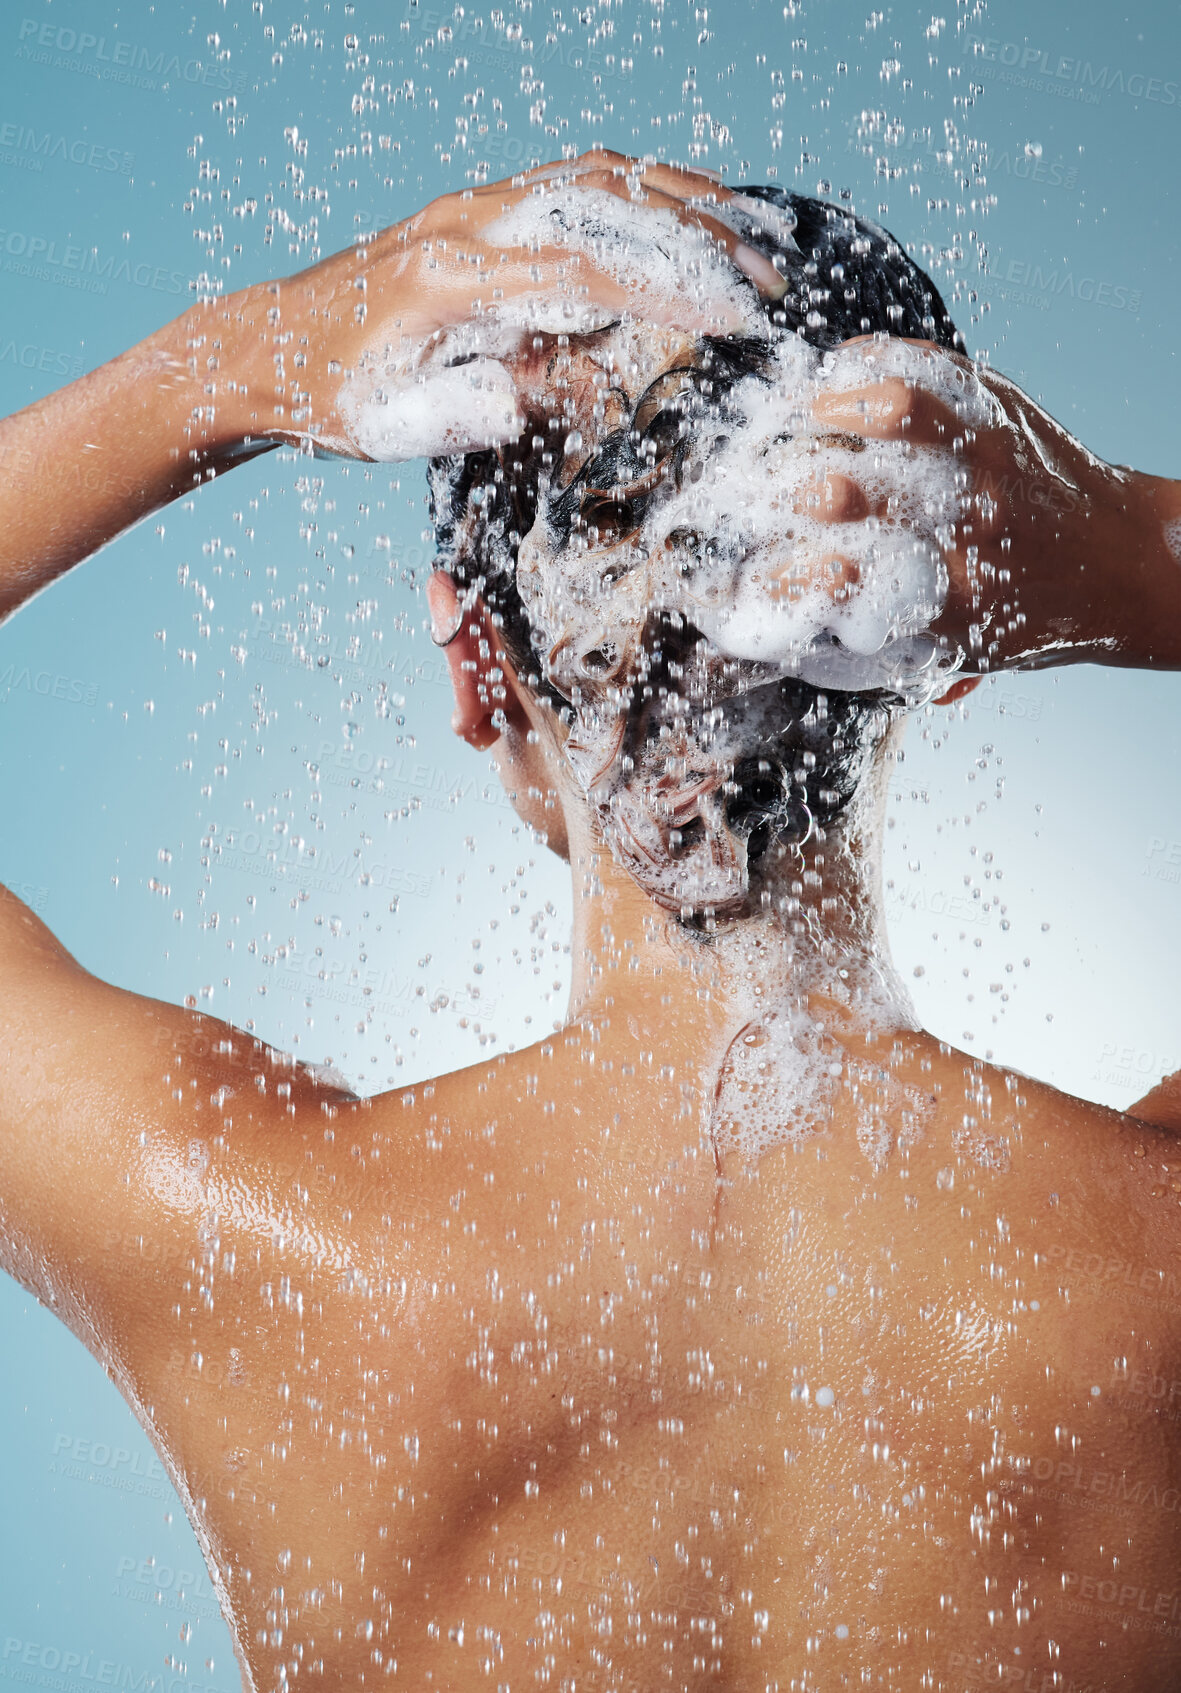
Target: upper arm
[{"x": 117, "y": 1113}]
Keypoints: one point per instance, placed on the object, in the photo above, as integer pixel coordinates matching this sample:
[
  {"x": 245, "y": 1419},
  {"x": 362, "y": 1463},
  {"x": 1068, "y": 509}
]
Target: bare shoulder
[
  {"x": 113, "y": 1109},
  {"x": 1063, "y": 1175},
  {"x": 477, "y": 1126},
  {"x": 1089, "y": 1193},
  {"x": 998, "y": 1117}
]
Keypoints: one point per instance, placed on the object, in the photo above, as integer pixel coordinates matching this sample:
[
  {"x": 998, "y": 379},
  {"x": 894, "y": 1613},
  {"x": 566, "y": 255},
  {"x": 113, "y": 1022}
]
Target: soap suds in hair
[
  {"x": 750, "y": 545},
  {"x": 431, "y": 408},
  {"x": 676, "y": 582}
]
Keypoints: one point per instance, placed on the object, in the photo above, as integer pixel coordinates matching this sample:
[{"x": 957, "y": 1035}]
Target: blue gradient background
[{"x": 161, "y": 707}]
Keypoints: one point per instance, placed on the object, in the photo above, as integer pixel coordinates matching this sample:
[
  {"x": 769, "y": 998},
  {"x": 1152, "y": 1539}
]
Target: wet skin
[
  {"x": 503, "y": 1378},
  {"x": 511, "y": 1367}
]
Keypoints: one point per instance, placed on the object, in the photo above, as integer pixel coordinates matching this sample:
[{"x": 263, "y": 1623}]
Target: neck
[{"x": 818, "y": 932}]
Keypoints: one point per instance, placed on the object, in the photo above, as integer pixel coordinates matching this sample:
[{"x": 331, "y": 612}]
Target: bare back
[{"x": 505, "y": 1378}]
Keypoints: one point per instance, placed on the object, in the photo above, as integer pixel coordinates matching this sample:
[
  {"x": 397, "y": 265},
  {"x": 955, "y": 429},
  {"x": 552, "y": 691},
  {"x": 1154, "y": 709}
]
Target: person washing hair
[{"x": 729, "y": 1336}]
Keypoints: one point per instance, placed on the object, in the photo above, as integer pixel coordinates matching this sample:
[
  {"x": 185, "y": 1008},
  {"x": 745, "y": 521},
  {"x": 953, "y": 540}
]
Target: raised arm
[
  {"x": 81, "y": 465},
  {"x": 109, "y": 1102},
  {"x": 1056, "y": 557},
  {"x": 338, "y": 359}
]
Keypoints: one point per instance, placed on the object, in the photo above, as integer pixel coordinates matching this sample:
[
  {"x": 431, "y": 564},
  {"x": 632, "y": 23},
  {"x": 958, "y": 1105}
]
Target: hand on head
[
  {"x": 1056, "y": 557},
  {"x": 1037, "y": 553},
  {"x": 479, "y": 272}
]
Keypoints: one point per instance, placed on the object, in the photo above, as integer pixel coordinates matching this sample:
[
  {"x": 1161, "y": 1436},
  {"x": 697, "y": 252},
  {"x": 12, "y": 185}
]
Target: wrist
[{"x": 224, "y": 348}]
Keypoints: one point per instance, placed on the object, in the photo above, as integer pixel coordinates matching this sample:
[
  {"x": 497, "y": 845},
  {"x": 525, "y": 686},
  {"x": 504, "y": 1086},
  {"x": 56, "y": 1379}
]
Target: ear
[
  {"x": 471, "y": 653},
  {"x": 959, "y": 690}
]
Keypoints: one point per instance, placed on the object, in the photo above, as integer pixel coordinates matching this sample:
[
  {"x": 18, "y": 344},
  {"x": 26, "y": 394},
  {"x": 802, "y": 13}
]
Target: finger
[
  {"x": 559, "y": 278},
  {"x": 922, "y": 346},
  {"x": 469, "y": 266},
  {"x": 556, "y": 290},
  {"x": 566, "y": 291},
  {"x": 687, "y": 194},
  {"x": 690, "y": 204},
  {"x": 575, "y": 171},
  {"x": 889, "y": 409},
  {"x": 565, "y": 277},
  {"x": 598, "y": 273},
  {"x": 679, "y": 180},
  {"x": 598, "y": 159},
  {"x": 665, "y": 187},
  {"x": 753, "y": 265},
  {"x": 894, "y": 387},
  {"x": 694, "y": 170},
  {"x": 837, "y": 498}
]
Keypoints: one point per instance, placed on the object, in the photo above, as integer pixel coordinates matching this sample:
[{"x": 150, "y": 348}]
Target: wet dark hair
[{"x": 847, "y": 277}]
